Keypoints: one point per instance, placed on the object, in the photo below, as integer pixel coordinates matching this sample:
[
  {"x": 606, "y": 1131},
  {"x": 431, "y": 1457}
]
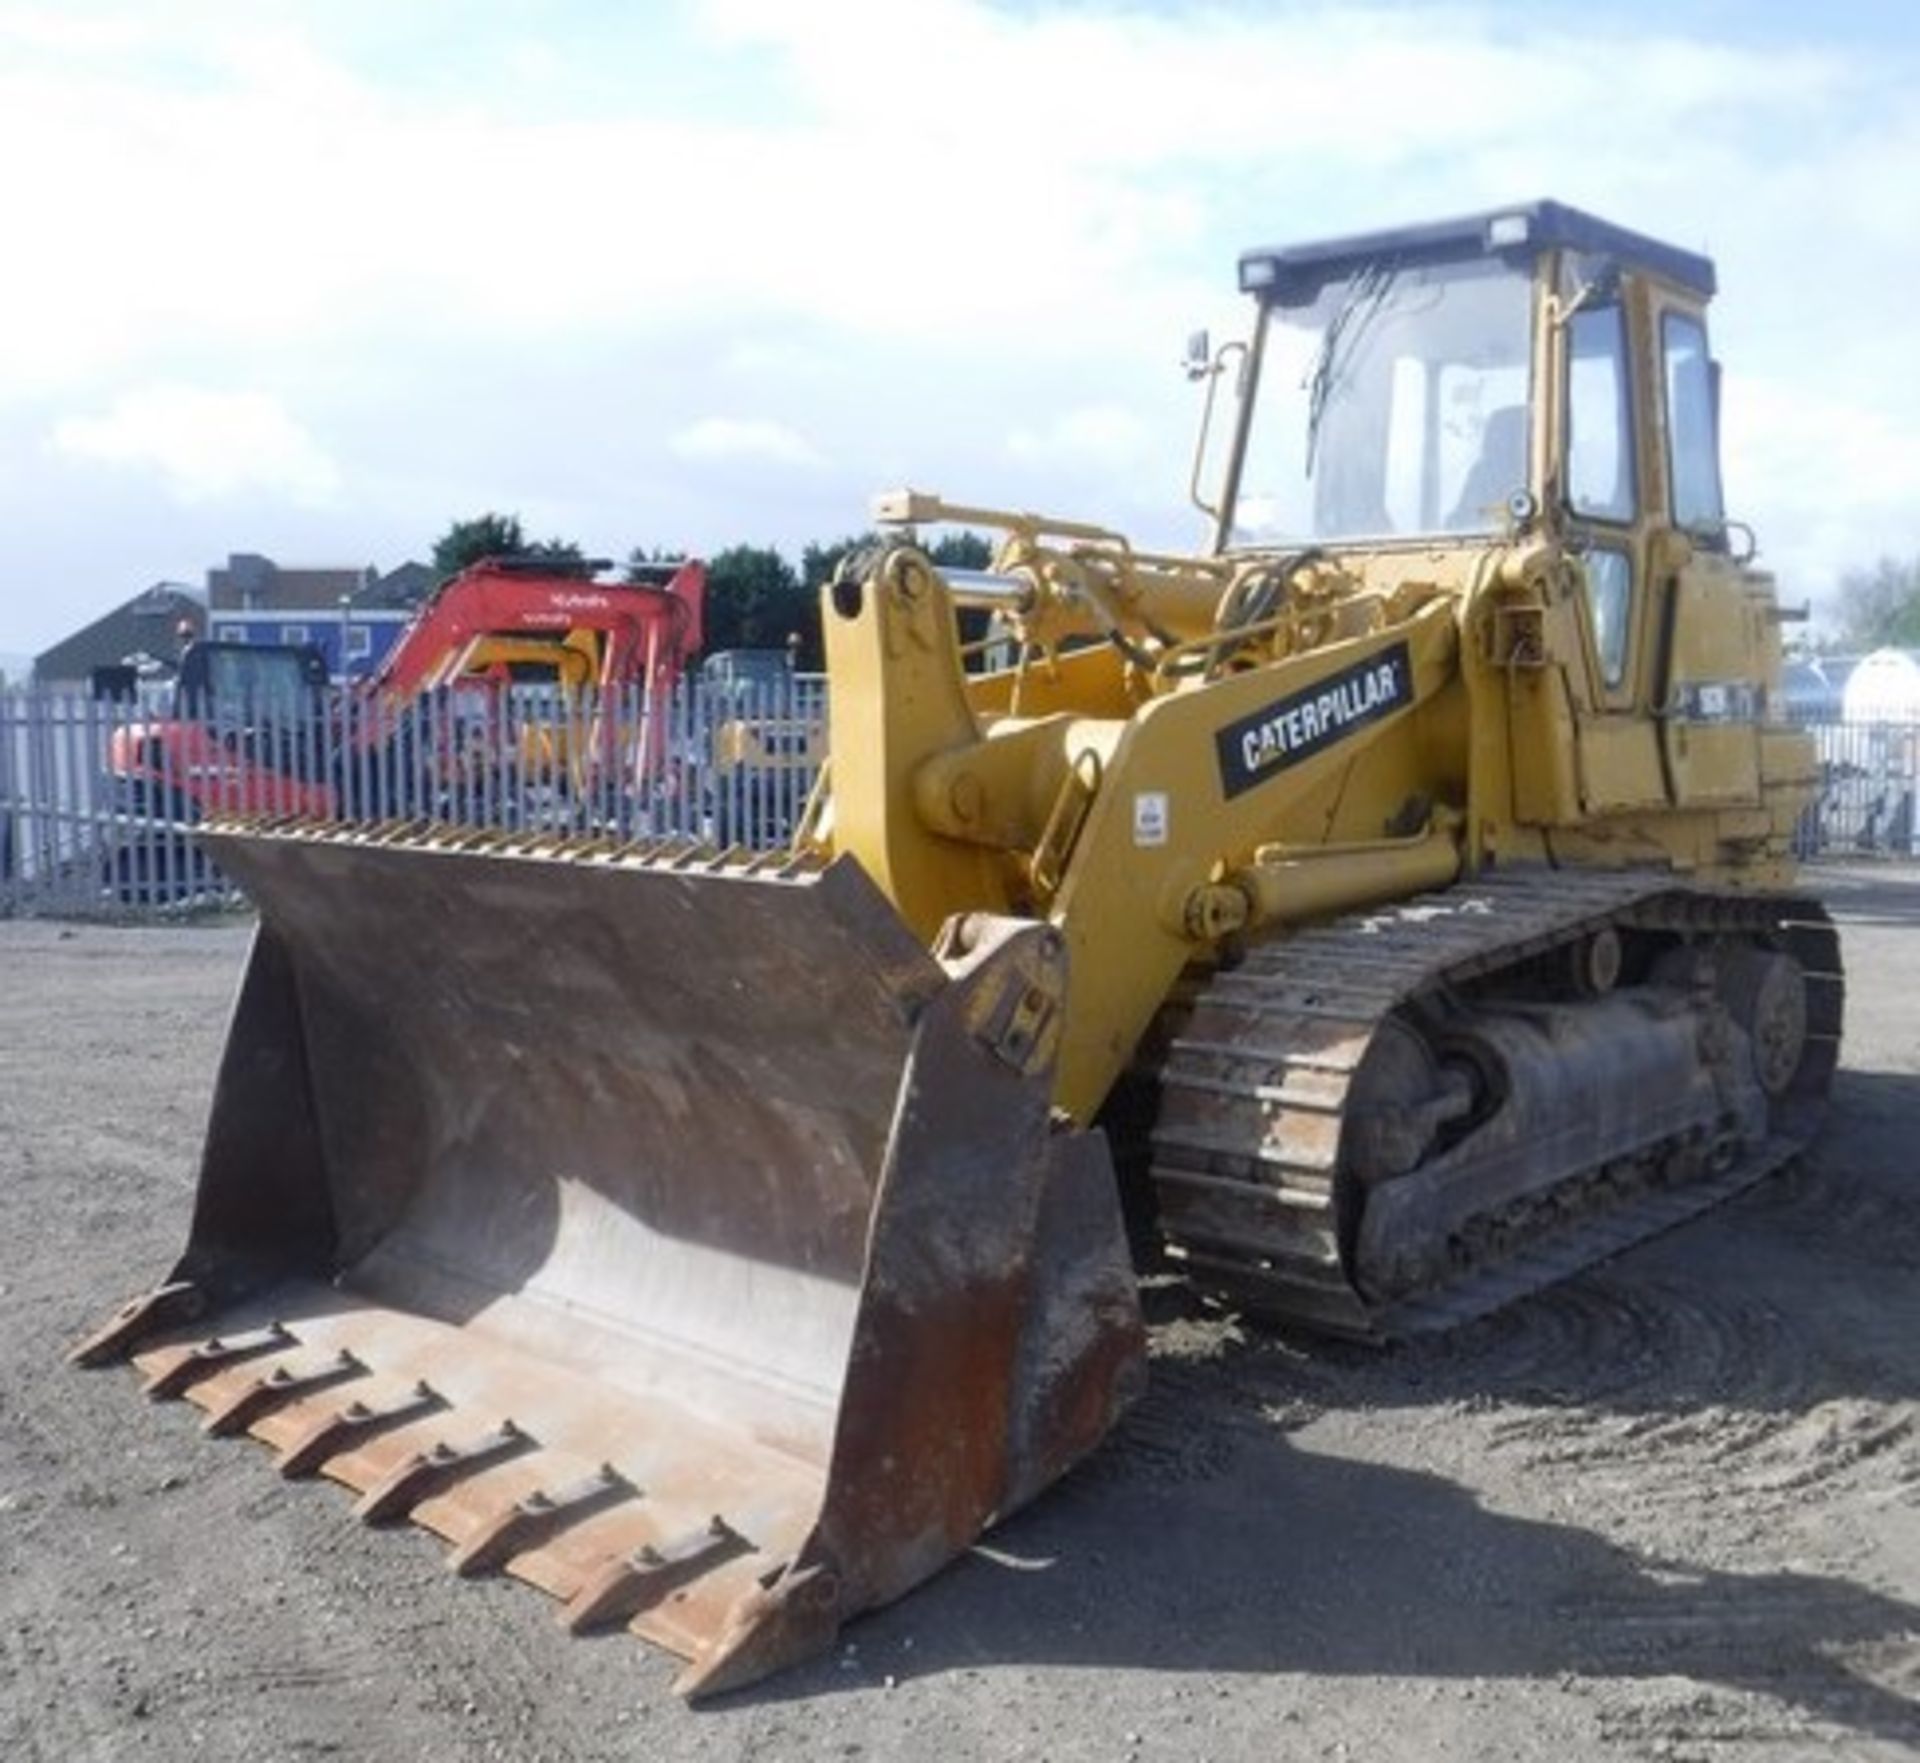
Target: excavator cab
[{"x": 244, "y": 712}]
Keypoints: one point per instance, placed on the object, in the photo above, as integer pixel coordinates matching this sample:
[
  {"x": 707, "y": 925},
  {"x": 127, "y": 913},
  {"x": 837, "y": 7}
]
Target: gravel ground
[{"x": 1670, "y": 1510}]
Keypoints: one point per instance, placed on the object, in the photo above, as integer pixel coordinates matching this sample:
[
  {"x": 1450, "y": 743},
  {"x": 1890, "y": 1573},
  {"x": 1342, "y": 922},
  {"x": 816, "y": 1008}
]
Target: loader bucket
[{"x": 673, "y": 1232}]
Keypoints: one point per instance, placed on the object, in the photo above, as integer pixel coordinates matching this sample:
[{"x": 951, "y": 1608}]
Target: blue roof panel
[{"x": 1298, "y": 272}]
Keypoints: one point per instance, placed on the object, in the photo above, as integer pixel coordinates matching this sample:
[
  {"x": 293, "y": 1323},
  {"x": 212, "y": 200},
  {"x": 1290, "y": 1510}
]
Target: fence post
[{"x": 9, "y": 803}]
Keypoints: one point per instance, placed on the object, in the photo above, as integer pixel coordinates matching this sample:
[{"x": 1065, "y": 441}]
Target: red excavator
[{"x": 255, "y": 730}]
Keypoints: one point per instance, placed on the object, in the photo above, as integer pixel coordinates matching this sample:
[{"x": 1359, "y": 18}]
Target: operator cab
[
  {"x": 242, "y": 685},
  {"x": 733, "y": 676},
  {"x": 1438, "y": 382}
]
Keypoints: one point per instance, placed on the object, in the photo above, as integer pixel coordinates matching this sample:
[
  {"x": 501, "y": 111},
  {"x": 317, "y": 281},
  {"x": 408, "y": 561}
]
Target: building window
[
  {"x": 294, "y": 633},
  {"x": 230, "y": 633},
  {"x": 359, "y": 642}
]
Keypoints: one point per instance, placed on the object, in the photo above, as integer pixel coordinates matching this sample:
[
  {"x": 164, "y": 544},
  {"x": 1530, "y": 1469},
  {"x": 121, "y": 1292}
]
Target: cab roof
[{"x": 1294, "y": 274}]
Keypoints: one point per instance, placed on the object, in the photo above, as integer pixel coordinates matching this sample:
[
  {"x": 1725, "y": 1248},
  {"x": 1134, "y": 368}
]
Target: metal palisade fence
[
  {"x": 1869, "y": 781},
  {"x": 99, "y": 798}
]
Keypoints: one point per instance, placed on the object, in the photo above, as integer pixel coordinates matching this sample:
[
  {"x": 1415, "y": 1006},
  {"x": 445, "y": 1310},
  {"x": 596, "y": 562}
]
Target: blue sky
[{"x": 315, "y": 279}]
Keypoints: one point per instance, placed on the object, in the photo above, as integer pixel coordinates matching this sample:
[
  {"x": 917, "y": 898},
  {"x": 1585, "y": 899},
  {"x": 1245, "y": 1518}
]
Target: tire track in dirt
[
  {"x": 1786, "y": 1661},
  {"x": 1722, "y": 1371},
  {"x": 1656, "y": 1513}
]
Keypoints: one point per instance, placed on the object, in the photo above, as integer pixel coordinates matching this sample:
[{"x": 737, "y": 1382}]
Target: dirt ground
[{"x": 1670, "y": 1510}]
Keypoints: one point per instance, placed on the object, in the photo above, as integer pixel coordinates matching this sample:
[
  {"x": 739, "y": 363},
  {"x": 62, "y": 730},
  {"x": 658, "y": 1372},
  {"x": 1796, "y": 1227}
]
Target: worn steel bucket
[{"x": 672, "y": 1232}]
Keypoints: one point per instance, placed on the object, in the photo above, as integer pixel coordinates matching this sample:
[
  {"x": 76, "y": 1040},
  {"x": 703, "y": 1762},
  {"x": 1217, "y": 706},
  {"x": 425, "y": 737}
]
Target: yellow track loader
[{"x": 1391, "y": 905}]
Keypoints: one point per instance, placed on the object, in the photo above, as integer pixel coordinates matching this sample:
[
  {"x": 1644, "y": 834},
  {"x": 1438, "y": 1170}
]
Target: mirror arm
[{"x": 1212, "y": 375}]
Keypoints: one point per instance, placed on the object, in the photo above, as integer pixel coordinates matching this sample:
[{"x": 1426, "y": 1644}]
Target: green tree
[
  {"x": 755, "y": 600},
  {"x": 1880, "y": 607},
  {"x": 467, "y": 541},
  {"x": 564, "y": 557},
  {"x": 819, "y": 561},
  {"x": 961, "y": 550},
  {"x": 644, "y": 561},
  {"x": 965, "y": 549},
  {"x": 501, "y": 535}
]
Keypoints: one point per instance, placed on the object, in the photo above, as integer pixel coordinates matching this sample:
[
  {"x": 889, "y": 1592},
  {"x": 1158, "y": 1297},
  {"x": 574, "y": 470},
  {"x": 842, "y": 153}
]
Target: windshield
[
  {"x": 261, "y": 685},
  {"x": 1394, "y": 404},
  {"x": 742, "y": 672}
]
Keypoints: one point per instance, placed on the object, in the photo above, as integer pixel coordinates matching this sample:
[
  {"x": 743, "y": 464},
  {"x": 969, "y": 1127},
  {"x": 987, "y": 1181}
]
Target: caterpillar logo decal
[{"x": 1309, "y": 721}]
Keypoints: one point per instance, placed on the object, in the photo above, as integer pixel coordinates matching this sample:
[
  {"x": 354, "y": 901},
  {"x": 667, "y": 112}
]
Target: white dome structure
[
  {"x": 1870, "y": 762},
  {"x": 1884, "y": 687}
]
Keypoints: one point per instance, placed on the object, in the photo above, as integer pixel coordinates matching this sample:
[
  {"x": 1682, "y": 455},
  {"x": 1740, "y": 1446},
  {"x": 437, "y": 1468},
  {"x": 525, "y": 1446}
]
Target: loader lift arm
[{"x": 1145, "y": 839}]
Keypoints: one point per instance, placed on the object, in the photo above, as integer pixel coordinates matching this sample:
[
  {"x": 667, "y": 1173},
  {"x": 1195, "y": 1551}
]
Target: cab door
[
  {"x": 1608, "y": 522},
  {"x": 1711, "y": 656}
]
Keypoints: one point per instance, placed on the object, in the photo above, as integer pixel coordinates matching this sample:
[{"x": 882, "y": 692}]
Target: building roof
[
  {"x": 147, "y": 624},
  {"x": 249, "y": 582}
]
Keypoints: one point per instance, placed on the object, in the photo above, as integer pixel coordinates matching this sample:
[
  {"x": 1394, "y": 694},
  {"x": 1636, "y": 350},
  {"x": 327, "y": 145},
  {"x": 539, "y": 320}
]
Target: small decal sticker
[
  {"x": 1150, "y": 817},
  {"x": 1716, "y": 701},
  {"x": 1303, "y": 723}
]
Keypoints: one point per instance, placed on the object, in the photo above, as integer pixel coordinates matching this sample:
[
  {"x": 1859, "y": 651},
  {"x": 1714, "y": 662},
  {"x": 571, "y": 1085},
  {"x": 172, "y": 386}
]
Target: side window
[
  {"x": 1609, "y": 599},
  {"x": 1693, "y": 451},
  {"x": 1599, "y": 421}
]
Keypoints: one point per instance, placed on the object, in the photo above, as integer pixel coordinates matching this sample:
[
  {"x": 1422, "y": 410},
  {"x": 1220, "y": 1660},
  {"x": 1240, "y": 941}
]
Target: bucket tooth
[
  {"x": 210, "y": 1355},
  {"x": 436, "y": 1469},
  {"x": 281, "y": 1385},
  {"x": 347, "y": 1426},
  {"x": 792, "y": 1613},
  {"x": 625, "y": 1586},
  {"x": 528, "y": 1522},
  {"x": 168, "y": 1306}
]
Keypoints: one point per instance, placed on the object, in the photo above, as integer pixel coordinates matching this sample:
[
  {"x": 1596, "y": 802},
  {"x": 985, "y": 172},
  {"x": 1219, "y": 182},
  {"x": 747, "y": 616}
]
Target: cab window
[
  {"x": 1609, "y": 601},
  {"x": 1693, "y": 452},
  {"x": 1599, "y": 420}
]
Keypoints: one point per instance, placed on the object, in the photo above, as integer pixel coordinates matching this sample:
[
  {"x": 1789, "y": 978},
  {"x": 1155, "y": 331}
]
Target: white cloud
[
  {"x": 942, "y": 241},
  {"x": 1106, "y": 435},
  {"x": 204, "y": 444},
  {"x": 1834, "y": 479},
  {"x": 753, "y": 438},
  {"x": 1350, "y": 83},
  {"x": 777, "y": 358}
]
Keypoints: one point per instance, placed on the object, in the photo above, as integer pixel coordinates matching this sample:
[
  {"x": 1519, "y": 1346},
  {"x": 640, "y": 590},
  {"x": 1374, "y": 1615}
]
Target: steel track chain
[{"x": 1254, "y": 1201}]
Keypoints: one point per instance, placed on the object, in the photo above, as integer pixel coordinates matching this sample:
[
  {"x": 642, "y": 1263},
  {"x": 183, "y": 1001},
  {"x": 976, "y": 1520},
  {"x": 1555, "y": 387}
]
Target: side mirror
[{"x": 1198, "y": 362}]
